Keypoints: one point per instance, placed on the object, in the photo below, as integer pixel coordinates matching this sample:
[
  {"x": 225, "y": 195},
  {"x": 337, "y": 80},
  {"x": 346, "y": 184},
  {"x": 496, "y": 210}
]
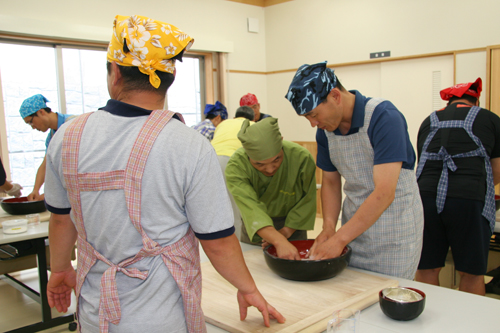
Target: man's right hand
[
  {"x": 15, "y": 191},
  {"x": 35, "y": 196},
  {"x": 59, "y": 289},
  {"x": 287, "y": 250}
]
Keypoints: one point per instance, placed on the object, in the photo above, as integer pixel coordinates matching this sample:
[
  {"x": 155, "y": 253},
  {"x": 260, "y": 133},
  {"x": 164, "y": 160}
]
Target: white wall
[
  {"x": 310, "y": 31},
  {"x": 470, "y": 66},
  {"x": 294, "y": 33},
  {"x": 216, "y": 25},
  {"x": 343, "y": 31}
]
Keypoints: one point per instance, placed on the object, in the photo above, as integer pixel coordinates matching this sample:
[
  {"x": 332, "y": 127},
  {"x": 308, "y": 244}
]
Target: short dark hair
[
  {"x": 47, "y": 109},
  {"x": 134, "y": 79},
  {"x": 211, "y": 116},
  {"x": 468, "y": 98},
  {"x": 339, "y": 85},
  {"x": 246, "y": 112}
]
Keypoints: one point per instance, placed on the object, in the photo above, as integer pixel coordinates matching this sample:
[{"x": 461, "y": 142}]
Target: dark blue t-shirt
[{"x": 388, "y": 134}]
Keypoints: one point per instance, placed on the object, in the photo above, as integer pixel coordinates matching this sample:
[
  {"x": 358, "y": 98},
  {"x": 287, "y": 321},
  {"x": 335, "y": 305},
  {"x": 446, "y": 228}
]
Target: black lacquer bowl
[
  {"x": 21, "y": 206},
  {"x": 306, "y": 270},
  {"x": 401, "y": 309}
]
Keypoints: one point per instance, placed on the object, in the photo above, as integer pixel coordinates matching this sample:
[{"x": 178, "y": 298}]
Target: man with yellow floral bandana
[{"x": 133, "y": 180}]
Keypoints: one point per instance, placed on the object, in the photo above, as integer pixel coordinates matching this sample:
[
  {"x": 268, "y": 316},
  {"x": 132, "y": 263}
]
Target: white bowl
[{"x": 15, "y": 226}]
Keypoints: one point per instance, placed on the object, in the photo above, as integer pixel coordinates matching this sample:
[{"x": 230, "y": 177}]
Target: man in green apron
[{"x": 273, "y": 182}]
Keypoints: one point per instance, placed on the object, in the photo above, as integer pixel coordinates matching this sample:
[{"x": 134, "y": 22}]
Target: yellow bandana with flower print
[{"x": 151, "y": 45}]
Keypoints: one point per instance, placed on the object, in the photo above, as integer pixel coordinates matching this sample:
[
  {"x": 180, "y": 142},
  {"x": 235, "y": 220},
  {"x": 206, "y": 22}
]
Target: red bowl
[
  {"x": 306, "y": 270},
  {"x": 21, "y": 206}
]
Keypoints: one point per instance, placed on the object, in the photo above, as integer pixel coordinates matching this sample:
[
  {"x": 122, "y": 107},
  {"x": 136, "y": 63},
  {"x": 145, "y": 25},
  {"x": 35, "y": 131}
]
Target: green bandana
[{"x": 262, "y": 140}]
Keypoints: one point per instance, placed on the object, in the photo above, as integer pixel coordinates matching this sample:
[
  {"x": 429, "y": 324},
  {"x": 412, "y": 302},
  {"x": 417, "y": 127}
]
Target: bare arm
[
  {"x": 39, "y": 180},
  {"x": 227, "y": 258},
  {"x": 279, "y": 238},
  {"x": 495, "y": 165},
  {"x": 62, "y": 235},
  {"x": 385, "y": 177},
  {"x": 331, "y": 202}
]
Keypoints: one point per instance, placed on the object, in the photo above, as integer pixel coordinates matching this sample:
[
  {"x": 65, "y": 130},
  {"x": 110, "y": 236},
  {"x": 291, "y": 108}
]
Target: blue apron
[{"x": 442, "y": 155}]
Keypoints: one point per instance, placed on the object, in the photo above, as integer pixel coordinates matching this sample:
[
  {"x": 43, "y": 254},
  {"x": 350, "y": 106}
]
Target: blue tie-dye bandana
[
  {"x": 218, "y": 110},
  {"x": 32, "y": 104},
  {"x": 310, "y": 86}
]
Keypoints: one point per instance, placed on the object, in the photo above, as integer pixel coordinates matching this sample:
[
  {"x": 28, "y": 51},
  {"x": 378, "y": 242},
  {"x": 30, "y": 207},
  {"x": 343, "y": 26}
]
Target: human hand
[
  {"x": 256, "y": 299},
  {"x": 287, "y": 250},
  {"x": 15, "y": 191},
  {"x": 59, "y": 289},
  {"x": 326, "y": 250},
  {"x": 322, "y": 237},
  {"x": 35, "y": 196}
]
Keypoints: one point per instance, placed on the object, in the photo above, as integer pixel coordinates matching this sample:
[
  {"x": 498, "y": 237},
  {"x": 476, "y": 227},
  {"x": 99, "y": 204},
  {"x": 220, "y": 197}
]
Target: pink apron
[{"x": 181, "y": 258}]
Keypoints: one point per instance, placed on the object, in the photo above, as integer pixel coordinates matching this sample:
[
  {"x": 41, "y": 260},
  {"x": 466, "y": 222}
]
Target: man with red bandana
[
  {"x": 459, "y": 163},
  {"x": 251, "y": 101}
]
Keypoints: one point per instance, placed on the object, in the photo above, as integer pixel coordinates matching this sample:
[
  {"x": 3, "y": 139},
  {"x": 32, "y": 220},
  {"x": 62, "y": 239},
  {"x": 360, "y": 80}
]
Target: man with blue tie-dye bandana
[{"x": 365, "y": 141}]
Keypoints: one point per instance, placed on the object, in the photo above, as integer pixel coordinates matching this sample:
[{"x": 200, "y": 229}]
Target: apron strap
[
  {"x": 467, "y": 124},
  {"x": 136, "y": 164},
  {"x": 70, "y": 151}
]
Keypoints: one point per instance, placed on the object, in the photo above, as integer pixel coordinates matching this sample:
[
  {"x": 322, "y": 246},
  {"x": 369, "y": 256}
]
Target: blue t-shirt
[
  {"x": 61, "y": 119},
  {"x": 388, "y": 134}
]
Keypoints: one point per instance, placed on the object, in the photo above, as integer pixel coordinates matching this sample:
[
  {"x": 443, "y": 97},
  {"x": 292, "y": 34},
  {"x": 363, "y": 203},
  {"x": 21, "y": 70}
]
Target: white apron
[{"x": 393, "y": 244}]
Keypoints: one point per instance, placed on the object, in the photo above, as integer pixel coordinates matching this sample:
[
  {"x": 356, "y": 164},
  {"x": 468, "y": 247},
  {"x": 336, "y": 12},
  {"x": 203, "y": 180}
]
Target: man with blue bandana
[
  {"x": 214, "y": 115},
  {"x": 365, "y": 141},
  {"x": 35, "y": 113}
]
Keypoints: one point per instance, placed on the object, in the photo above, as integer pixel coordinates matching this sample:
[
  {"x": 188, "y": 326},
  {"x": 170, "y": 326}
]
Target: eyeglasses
[{"x": 30, "y": 122}]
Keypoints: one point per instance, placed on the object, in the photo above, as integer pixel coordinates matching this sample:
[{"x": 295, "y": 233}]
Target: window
[
  {"x": 74, "y": 77},
  {"x": 26, "y": 71},
  {"x": 85, "y": 84},
  {"x": 184, "y": 96}
]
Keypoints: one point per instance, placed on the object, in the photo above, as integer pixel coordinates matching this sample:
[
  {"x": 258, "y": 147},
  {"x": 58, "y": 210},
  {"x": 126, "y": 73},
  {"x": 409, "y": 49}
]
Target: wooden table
[{"x": 446, "y": 310}]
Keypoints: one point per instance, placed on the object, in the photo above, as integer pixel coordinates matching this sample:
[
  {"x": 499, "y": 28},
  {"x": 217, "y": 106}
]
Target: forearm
[
  {"x": 62, "y": 236},
  {"x": 6, "y": 186},
  {"x": 366, "y": 215},
  {"x": 40, "y": 176},
  {"x": 226, "y": 257},
  {"x": 331, "y": 201},
  {"x": 273, "y": 236}
]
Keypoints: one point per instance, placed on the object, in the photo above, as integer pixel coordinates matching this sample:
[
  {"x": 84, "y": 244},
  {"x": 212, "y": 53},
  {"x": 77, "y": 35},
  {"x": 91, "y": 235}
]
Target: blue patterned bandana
[
  {"x": 310, "y": 86},
  {"x": 218, "y": 110},
  {"x": 32, "y": 104}
]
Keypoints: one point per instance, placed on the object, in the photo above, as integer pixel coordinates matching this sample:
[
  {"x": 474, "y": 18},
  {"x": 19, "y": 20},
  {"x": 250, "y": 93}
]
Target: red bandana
[
  {"x": 249, "y": 99},
  {"x": 472, "y": 88}
]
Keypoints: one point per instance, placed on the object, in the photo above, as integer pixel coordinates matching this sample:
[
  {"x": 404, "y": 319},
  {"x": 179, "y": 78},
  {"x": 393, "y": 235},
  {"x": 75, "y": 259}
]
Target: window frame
[{"x": 206, "y": 81}]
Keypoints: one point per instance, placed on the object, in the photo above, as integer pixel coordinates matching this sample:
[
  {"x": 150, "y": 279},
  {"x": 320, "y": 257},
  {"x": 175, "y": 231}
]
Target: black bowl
[
  {"x": 400, "y": 310},
  {"x": 306, "y": 270},
  {"x": 21, "y": 206}
]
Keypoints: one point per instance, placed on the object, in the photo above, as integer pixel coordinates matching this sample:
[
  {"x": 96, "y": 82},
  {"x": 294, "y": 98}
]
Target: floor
[{"x": 17, "y": 310}]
